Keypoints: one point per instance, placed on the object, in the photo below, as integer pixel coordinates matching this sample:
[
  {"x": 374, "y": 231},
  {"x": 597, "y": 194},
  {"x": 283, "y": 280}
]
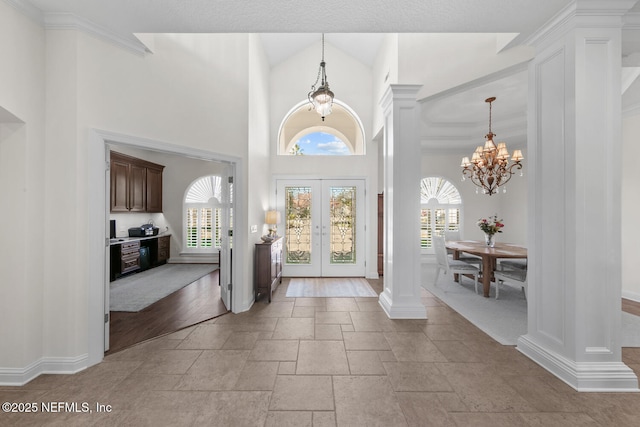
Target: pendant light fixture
[
  {"x": 321, "y": 98},
  {"x": 489, "y": 166}
]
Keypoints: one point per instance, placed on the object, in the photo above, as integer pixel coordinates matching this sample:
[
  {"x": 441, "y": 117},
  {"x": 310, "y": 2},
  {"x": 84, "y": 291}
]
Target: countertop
[{"x": 121, "y": 240}]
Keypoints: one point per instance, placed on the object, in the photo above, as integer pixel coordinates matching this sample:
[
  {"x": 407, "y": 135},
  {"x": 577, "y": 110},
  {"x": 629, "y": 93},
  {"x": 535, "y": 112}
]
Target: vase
[{"x": 489, "y": 240}]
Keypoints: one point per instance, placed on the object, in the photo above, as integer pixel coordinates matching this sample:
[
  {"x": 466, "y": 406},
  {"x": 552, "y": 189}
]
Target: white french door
[{"x": 323, "y": 227}]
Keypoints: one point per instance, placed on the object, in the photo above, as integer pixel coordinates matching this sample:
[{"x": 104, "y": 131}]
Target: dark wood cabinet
[
  {"x": 163, "y": 249},
  {"x": 154, "y": 190},
  {"x": 137, "y": 188},
  {"x": 136, "y": 184},
  {"x": 267, "y": 267},
  {"x": 126, "y": 256},
  {"x": 129, "y": 257}
]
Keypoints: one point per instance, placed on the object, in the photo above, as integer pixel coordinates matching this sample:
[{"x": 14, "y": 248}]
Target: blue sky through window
[{"x": 322, "y": 144}]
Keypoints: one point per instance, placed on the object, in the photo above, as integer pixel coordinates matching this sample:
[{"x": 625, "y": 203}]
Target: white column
[
  {"x": 400, "y": 298},
  {"x": 574, "y": 168}
]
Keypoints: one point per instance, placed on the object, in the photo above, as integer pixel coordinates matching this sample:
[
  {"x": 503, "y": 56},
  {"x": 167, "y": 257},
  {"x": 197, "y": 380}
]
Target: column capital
[
  {"x": 399, "y": 92},
  {"x": 581, "y": 14}
]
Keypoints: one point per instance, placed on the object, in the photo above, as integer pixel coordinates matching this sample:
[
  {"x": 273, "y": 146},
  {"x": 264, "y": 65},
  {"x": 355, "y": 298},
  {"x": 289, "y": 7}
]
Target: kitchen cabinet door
[
  {"x": 154, "y": 190},
  {"x": 137, "y": 188},
  {"x": 119, "y": 186}
]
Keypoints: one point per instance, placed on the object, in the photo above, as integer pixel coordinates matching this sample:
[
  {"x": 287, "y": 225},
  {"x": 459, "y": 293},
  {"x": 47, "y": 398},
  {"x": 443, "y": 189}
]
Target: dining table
[{"x": 489, "y": 255}]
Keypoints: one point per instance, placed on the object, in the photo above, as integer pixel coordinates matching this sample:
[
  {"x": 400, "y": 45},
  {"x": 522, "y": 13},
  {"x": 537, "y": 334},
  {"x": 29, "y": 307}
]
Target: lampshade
[{"x": 272, "y": 217}]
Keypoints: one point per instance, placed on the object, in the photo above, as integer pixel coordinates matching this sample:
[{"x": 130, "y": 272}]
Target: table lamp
[{"x": 272, "y": 219}]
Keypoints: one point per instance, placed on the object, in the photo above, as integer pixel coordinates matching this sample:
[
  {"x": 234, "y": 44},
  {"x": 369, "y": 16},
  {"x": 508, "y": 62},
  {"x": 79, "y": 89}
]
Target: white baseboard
[
  {"x": 402, "y": 311},
  {"x": 633, "y": 296},
  {"x": 194, "y": 259},
  {"x": 582, "y": 376},
  {"x": 46, "y": 365}
]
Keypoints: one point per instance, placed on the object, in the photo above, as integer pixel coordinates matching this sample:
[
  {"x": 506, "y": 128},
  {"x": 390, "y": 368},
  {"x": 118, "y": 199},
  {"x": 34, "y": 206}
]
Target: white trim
[
  {"x": 489, "y": 78},
  {"x": 28, "y": 10},
  {"x": 196, "y": 258},
  {"x": 582, "y": 376},
  {"x": 633, "y": 296},
  {"x": 401, "y": 311},
  {"x": 356, "y": 150},
  {"x": 46, "y": 365},
  {"x": 69, "y": 21}
]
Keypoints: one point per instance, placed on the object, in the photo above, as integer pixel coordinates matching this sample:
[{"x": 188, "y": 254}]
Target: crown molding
[
  {"x": 581, "y": 14},
  {"x": 69, "y": 21},
  {"x": 27, "y": 9}
]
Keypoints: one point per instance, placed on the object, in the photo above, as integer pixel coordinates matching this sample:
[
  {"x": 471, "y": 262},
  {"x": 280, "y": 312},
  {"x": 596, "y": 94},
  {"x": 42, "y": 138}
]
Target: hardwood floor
[
  {"x": 631, "y": 307},
  {"x": 195, "y": 303}
]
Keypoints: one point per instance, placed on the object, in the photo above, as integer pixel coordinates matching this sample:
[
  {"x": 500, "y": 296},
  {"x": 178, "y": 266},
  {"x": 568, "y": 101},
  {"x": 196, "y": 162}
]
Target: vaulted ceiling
[{"x": 456, "y": 119}]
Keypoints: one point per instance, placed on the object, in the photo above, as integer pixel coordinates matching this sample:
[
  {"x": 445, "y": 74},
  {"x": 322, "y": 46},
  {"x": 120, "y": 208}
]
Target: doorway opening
[{"x": 97, "y": 268}]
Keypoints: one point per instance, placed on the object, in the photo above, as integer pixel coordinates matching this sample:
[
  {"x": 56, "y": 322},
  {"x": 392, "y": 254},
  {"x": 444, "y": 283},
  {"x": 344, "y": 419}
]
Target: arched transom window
[
  {"x": 303, "y": 133},
  {"x": 440, "y": 209}
]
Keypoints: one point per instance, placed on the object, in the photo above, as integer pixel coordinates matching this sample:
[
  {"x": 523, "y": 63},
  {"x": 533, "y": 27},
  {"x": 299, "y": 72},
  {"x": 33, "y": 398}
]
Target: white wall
[
  {"x": 443, "y": 61},
  {"x": 630, "y": 207},
  {"x": 192, "y": 92},
  {"x": 22, "y": 192},
  {"x": 259, "y": 149},
  {"x": 351, "y": 81},
  {"x": 385, "y": 72}
]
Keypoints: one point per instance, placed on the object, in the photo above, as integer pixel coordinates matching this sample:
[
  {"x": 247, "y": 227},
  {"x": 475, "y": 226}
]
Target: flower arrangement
[{"x": 491, "y": 225}]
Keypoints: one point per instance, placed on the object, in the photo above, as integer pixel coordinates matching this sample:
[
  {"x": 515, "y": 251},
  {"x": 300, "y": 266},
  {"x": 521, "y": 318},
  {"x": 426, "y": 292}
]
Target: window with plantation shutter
[
  {"x": 441, "y": 209},
  {"x": 202, "y": 214}
]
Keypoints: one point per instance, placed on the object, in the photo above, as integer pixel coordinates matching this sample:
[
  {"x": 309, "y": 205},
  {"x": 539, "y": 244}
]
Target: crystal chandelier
[
  {"x": 489, "y": 167},
  {"x": 322, "y": 97}
]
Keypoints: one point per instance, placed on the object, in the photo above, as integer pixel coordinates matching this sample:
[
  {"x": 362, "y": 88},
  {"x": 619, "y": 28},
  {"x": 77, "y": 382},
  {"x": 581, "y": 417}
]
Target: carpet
[
  {"x": 504, "y": 319},
  {"x": 134, "y": 293},
  {"x": 329, "y": 287}
]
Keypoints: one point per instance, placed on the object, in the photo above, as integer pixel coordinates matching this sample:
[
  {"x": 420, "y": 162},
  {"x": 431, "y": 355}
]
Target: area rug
[
  {"x": 134, "y": 293},
  {"x": 504, "y": 319},
  {"x": 330, "y": 287}
]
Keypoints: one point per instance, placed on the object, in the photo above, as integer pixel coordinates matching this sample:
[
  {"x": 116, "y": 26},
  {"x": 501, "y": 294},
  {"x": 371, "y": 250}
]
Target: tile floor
[{"x": 324, "y": 362}]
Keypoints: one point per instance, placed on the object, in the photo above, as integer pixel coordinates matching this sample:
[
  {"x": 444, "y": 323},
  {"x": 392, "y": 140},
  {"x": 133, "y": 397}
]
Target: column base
[
  {"x": 582, "y": 376},
  {"x": 404, "y": 310}
]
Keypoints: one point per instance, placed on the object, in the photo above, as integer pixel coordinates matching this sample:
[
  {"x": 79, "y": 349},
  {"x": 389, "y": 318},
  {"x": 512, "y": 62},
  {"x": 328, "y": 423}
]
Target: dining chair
[
  {"x": 455, "y": 236},
  {"x": 513, "y": 263},
  {"x": 452, "y": 266},
  {"x": 515, "y": 276}
]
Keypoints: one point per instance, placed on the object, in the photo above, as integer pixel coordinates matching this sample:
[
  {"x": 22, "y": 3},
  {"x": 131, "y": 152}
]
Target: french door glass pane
[
  {"x": 342, "y": 215},
  {"x": 298, "y": 224}
]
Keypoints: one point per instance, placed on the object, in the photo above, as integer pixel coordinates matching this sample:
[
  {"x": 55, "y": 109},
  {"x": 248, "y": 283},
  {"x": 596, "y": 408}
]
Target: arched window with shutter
[
  {"x": 440, "y": 209},
  {"x": 202, "y": 210}
]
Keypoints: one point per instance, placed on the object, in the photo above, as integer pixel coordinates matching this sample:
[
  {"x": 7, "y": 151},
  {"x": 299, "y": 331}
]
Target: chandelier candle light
[
  {"x": 489, "y": 166},
  {"x": 490, "y": 226},
  {"x": 321, "y": 98}
]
